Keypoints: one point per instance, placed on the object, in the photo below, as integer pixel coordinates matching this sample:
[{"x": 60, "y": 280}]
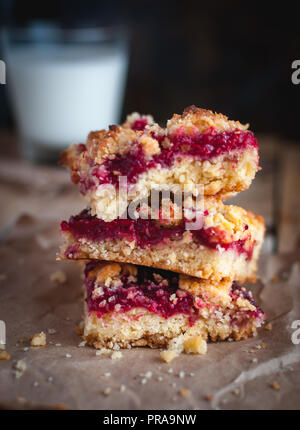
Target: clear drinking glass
[{"x": 63, "y": 83}]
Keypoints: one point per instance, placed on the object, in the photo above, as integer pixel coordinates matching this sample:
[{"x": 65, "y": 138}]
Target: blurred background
[
  {"x": 76, "y": 66},
  {"x": 232, "y": 57}
]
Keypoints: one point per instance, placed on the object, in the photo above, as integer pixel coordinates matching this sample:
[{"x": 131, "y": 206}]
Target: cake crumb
[
  {"x": 276, "y": 386},
  {"x": 82, "y": 344},
  {"x": 184, "y": 392},
  {"x": 58, "y": 277},
  {"x": 116, "y": 355},
  {"x": 236, "y": 392},
  {"x": 61, "y": 407},
  {"x": 168, "y": 355},
  {"x": 51, "y": 330},
  {"x": 122, "y": 388},
  {"x": 107, "y": 391},
  {"x": 68, "y": 356},
  {"x": 275, "y": 278},
  {"x": 21, "y": 400},
  {"x": 268, "y": 326},
  {"x": 103, "y": 351},
  {"x": 144, "y": 381},
  {"x": 107, "y": 374},
  {"x": 4, "y": 355},
  {"x": 79, "y": 329},
  {"x": 19, "y": 368},
  {"x": 195, "y": 345},
  {"x": 181, "y": 374},
  {"x": 38, "y": 339},
  {"x": 208, "y": 397}
]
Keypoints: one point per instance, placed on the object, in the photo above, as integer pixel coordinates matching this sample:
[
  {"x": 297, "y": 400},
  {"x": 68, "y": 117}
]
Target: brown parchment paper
[{"x": 237, "y": 375}]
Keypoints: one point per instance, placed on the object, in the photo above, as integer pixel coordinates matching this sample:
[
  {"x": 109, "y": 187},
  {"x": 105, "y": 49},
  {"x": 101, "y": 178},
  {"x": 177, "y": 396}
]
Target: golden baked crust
[{"x": 203, "y": 119}]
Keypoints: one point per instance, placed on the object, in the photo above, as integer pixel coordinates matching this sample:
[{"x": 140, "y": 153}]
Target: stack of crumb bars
[{"x": 149, "y": 279}]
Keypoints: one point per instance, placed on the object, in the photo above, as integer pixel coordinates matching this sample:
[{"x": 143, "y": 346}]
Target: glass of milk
[{"x": 63, "y": 84}]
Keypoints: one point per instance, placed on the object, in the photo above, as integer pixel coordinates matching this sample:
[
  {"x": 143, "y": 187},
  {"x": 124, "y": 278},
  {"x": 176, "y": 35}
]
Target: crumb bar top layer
[{"x": 197, "y": 146}]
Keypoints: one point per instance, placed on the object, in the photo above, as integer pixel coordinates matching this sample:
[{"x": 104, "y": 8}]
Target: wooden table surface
[{"x": 46, "y": 191}]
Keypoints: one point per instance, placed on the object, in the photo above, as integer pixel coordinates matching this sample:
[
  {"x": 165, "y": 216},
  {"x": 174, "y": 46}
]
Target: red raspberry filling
[
  {"x": 160, "y": 296},
  {"x": 147, "y": 232},
  {"x": 139, "y": 124},
  {"x": 147, "y": 292},
  {"x": 203, "y": 146}
]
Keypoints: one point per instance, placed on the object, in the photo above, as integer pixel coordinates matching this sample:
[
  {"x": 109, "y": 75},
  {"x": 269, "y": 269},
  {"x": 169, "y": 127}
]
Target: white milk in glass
[{"x": 60, "y": 93}]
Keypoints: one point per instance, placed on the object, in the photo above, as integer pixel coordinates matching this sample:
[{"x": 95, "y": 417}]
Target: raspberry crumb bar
[
  {"x": 197, "y": 147},
  {"x": 129, "y": 305},
  {"x": 227, "y": 244}
]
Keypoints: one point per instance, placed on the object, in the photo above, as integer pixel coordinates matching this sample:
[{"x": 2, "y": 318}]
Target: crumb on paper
[
  {"x": 168, "y": 355},
  {"x": 42, "y": 241},
  {"x": 4, "y": 355},
  {"x": 195, "y": 345},
  {"x": 79, "y": 328},
  {"x": 181, "y": 374},
  {"x": 68, "y": 355},
  {"x": 103, "y": 351},
  {"x": 19, "y": 368},
  {"x": 116, "y": 355},
  {"x": 82, "y": 344},
  {"x": 21, "y": 400},
  {"x": 184, "y": 392},
  {"x": 35, "y": 384},
  {"x": 107, "y": 391},
  {"x": 208, "y": 397},
  {"x": 275, "y": 278},
  {"x": 38, "y": 339},
  {"x": 276, "y": 386},
  {"x": 61, "y": 407},
  {"x": 51, "y": 330},
  {"x": 268, "y": 326},
  {"x": 144, "y": 381},
  {"x": 122, "y": 388},
  {"x": 58, "y": 277},
  {"x": 236, "y": 392}
]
